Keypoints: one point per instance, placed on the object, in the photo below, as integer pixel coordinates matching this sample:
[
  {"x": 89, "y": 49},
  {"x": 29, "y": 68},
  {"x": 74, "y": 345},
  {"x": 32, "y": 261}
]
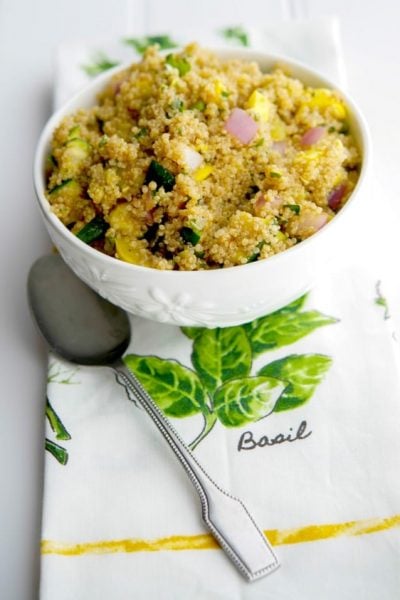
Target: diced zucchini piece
[
  {"x": 77, "y": 150},
  {"x": 93, "y": 230},
  {"x": 51, "y": 161},
  {"x": 69, "y": 186},
  {"x": 160, "y": 175},
  {"x": 74, "y": 132},
  {"x": 192, "y": 236},
  {"x": 151, "y": 234}
]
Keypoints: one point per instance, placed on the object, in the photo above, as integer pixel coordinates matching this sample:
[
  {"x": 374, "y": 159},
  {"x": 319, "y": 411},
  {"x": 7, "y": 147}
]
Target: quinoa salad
[{"x": 191, "y": 162}]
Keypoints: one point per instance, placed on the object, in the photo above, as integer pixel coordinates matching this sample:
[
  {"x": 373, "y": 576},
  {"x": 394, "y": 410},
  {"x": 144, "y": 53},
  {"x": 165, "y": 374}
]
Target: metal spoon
[{"x": 84, "y": 328}]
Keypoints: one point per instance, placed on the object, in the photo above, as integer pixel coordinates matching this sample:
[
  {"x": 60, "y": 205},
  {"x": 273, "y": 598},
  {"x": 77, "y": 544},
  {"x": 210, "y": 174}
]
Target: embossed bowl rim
[{"x": 299, "y": 70}]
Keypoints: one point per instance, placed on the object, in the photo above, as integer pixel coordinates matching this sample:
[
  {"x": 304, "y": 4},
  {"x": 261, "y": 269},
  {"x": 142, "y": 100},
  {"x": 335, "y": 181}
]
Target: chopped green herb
[
  {"x": 225, "y": 94},
  {"x": 199, "y": 105},
  {"x": 93, "y": 230},
  {"x": 100, "y": 64},
  {"x": 141, "y": 133},
  {"x": 259, "y": 143},
  {"x": 345, "y": 129},
  {"x": 331, "y": 129},
  {"x": 178, "y": 62},
  {"x": 178, "y": 104},
  {"x": 275, "y": 174},
  {"x": 103, "y": 140},
  {"x": 160, "y": 175},
  {"x": 141, "y": 44},
  {"x": 236, "y": 34},
  {"x": 293, "y": 207},
  {"x": 200, "y": 254},
  {"x": 256, "y": 252},
  {"x": 190, "y": 235}
]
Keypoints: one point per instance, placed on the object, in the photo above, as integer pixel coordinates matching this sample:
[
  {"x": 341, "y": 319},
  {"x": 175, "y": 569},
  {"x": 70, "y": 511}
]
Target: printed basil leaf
[
  {"x": 283, "y": 328},
  {"x": 100, "y": 63},
  {"x": 141, "y": 44},
  {"x": 57, "y": 451},
  {"x": 221, "y": 354},
  {"x": 242, "y": 401},
  {"x": 174, "y": 388},
  {"x": 302, "y": 373},
  {"x": 236, "y": 34},
  {"x": 192, "y": 332},
  {"x": 293, "y": 306},
  {"x": 56, "y": 423}
]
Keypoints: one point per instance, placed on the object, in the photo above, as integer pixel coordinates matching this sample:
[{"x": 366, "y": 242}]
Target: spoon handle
[{"x": 225, "y": 515}]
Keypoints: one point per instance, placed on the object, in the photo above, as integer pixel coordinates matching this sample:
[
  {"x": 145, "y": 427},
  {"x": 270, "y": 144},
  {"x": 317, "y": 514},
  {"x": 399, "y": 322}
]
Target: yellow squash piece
[
  {"x": 122, "y": 220},
  {"x": 219, "y": 88},
  {"x": 203, "y": 172},
  {"x": 259, "y": 105},
  {"x": 278, "y": 129},
  {"x": 125, "y": 251},
  {"x": 326, "y": 99}
]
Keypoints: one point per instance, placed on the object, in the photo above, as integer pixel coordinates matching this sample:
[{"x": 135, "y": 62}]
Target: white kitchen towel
[{"x": 318, "y": 463}]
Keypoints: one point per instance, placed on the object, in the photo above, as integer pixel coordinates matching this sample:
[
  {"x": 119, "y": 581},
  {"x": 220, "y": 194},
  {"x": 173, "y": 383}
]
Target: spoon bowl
[{"x": 75, "y": 321}]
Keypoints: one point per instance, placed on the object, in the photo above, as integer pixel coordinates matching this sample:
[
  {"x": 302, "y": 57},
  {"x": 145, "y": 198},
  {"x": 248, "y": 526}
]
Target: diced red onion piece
[
  {"x": 336, "y": 196},
  {"x": 312, "y": 136},
  {"x": 310, "y": 222},
  {"x": 280, "y": 146},
  {"x": 260, "y": 202},
  {"x": 118, "y": 85},
  {"x": 241, "y": 125},
  {"x": 275, "y": 202}
]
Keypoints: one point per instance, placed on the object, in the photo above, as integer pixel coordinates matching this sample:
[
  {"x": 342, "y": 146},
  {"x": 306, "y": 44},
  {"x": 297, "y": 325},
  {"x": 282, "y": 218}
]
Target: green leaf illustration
[
  {"x": 242, "y": 401},
  {"x": 293, "y": 306},
  {"x": 380, "y": 300},
  {"x": 55, "y": 423},
  {"x": 236, "y": 34},
  {"x": 283, "y": 328},
  {"x": 301, "y": 373},
  {"x": 221, "y": 354},
  {"x": 141, "y": 44},
  {"x": 192, "y": 332},
  {"x": 57, "y": 451},
  {"x": 176, "y": 389},
  {"x": 100, "y": 63}
]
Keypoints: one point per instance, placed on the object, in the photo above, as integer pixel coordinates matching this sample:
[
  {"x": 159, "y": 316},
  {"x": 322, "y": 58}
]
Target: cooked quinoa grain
[{"x": 189, "y": 162}]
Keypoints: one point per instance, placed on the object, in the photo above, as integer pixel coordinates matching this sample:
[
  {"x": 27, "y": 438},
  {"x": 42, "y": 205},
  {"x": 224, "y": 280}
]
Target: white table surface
[{"x": 29, "y": 34}]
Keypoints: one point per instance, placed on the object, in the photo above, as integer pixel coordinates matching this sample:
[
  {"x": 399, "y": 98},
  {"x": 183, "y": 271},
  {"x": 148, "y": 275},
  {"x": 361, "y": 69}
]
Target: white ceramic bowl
[{"x": 216, "y": 297}]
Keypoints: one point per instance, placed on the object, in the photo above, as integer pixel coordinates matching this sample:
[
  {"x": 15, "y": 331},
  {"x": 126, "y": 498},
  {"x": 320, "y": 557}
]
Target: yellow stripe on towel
[{"x": 277, "y": 537}]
